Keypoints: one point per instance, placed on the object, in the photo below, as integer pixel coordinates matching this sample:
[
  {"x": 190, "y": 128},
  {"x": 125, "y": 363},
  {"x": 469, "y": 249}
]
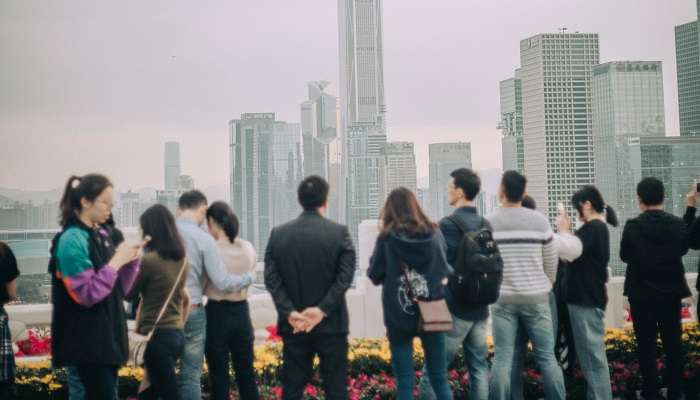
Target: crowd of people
[{"x": 441, "y": 281}]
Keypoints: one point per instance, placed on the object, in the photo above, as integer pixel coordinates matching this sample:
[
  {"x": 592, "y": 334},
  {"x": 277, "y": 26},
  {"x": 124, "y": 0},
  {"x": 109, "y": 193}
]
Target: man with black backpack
[{"x": 473, "y": 284}]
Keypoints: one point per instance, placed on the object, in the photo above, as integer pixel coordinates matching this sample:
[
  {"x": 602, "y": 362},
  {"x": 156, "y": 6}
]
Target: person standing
[
  {"x": 526, "y": 243},
  {"x": 232, "y": 338},
  {"x": 206, "y": 267},
  {"x": 653, "y": 245},
  {"x": 585, "y": 291},
  {"x": 469, "y": 321},
  {"x": 162, "y": 309},
  {"x": 309, "y": 265},
  {"x": 693, "y": 224},
  {"x": 89, "y": 279},
  {"x": 8, "y": 292},
  {"x": 409, "y": 262}
]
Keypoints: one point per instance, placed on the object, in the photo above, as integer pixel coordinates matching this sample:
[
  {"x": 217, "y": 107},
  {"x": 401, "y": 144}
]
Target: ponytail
[
  {"x": 222, "y": 214},
  {"x": 592, "y": 194},
  {"x": 88, "y": 187},
  {"x": 611, "y": 216}
]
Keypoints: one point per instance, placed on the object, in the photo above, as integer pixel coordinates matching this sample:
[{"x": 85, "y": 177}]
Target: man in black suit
[{"x": 309, "y": 265}]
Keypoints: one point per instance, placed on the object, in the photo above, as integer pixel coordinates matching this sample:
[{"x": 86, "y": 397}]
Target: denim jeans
[
  {"x": 231, "y": 339},
  {"x": 189, "y": 382},
  {"x": 470, "y": 336},
  {"x": 435, "y": 363},
  {"x": 588, "y": 326},
  {"x": 536, "y": 319},
  {"x": 76, "y": 390},
  {"x": 162, "y": 353},
  {"x": 520, "y": 353}
]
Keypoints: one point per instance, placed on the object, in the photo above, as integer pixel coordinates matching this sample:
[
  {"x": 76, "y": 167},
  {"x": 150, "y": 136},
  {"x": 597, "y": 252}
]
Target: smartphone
[{"x": 697, "y": 187}]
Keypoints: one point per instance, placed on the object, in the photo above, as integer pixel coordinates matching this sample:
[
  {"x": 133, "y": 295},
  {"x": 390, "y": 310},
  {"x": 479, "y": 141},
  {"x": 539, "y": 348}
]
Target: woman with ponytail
[
  {"x": 90, "y": 276},
  {"x": 231, "y": 336},
  {"x": 586, "y": 294}
]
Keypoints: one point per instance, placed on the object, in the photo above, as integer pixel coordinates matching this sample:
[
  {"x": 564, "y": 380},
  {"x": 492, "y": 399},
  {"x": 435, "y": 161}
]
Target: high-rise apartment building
[
  {"x": 287, "y": 170},
  {"x": 555, "y": 73},
  {"x": 688, "y": 74},
  {"x": 400, "y": 166},
  {"x": 443, "y": 159},
  {"x": 362, "y": 108},
  {"x": 511, "y": 123},
  {"x": 628, "y": 102}
]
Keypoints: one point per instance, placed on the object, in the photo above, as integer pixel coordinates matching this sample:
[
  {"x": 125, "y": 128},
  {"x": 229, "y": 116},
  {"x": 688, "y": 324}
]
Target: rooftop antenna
[{"x": 563, "y": 29}]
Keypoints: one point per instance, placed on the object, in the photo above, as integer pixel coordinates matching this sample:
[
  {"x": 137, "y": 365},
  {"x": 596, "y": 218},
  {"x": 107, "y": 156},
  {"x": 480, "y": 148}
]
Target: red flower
[
  {"x": 311, "y": 390},
  {"x": 277, "y": 391},
  {"x": 272, "y": 335}
]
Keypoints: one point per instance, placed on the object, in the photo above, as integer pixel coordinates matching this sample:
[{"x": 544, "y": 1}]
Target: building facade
[
  {"x": 172, "y": 165},
  {"x": 443, "y": 159},
  {"x": 688, "y": 75},
  {"x": 400, "y": 166},
  {"x": 511, "y": 123},
  {"x": 628, "y": 102},
  {"x": 557, "y": 115}
]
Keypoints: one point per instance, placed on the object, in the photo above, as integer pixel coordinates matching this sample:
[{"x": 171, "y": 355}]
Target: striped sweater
[{"x": 529, "y": 253}]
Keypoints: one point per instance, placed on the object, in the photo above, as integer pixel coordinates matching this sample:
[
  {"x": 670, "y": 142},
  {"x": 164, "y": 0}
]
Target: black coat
[
  {"x": 310, "y": 262},
  {"x": 653, "y": 245},
  {"x": 95, "y": 335}
]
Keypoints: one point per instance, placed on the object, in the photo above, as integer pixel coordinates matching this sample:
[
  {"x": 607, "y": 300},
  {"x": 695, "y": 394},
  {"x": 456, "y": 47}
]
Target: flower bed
[{"x": 370, "y": 372}]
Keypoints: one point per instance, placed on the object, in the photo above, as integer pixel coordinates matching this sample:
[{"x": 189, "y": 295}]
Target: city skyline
[{"x": 140, "y": 138}]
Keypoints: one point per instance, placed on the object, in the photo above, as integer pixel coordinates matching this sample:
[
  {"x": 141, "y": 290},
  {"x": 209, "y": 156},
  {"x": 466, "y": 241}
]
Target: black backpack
[{"x": 478, "y": 269}]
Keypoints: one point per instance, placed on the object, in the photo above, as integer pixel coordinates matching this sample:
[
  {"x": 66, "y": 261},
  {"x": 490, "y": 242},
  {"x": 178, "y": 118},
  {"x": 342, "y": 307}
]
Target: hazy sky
[{"x": 86, "y": 86}]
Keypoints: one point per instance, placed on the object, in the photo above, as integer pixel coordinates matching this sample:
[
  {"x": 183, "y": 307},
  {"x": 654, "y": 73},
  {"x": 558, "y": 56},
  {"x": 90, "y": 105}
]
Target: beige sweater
[{"x": 239, "y": 258}]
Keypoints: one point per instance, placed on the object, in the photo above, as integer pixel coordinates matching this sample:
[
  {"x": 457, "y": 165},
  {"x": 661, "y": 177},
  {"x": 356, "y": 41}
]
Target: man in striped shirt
[{"x": 526, "y": 243}]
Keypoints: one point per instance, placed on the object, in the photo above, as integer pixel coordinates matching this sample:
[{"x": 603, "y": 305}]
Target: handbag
[
  {"x": 434, "y": 316},
  {"x": 137, "y": 341}
]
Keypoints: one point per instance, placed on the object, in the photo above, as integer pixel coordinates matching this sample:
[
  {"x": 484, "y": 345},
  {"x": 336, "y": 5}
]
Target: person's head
[
  {"x": 650, "y": 192},
  {"x": 402, "y": 214},
  {"x": 222, "y": 221},
  {"x": 589, "y": 204},
  {"x": 158, "y": 223},
  {"x": 313, "y": 193},
  {"x": 512, "y": 187},
  {"x": 193, "y": 204},
  {"x": 529, "y": 202},
  {"x": 86, "y": 198},
  {"x": 464, "y": 186}
]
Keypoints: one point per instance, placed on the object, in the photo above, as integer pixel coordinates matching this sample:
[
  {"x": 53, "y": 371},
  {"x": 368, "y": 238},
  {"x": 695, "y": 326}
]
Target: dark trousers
[
  {"x": 162, "y": 352},
  {"x": 230, "y": 334},
  {"x": 651, "y": 317},
  {"x": 100, "y": 381},
  {"x": 298, "y": 357}
]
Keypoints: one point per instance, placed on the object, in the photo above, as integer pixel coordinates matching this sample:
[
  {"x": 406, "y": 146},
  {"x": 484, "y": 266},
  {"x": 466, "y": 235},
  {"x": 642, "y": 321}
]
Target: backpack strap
[{"x": 463, "y": 226}]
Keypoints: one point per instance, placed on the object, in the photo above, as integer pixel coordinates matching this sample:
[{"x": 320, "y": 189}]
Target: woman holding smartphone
[
  {"x": 161, "y": 287},
  {"x": 89, "y": 278}
]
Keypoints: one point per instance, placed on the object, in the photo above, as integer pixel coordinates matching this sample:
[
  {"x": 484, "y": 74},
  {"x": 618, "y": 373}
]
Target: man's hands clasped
[{"x": 306, "y": 320}]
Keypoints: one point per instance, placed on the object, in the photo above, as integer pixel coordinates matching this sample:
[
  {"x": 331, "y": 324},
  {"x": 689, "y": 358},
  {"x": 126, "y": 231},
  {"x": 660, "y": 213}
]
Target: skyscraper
[
  {"x": 628, "y": 102},
  {"x": 362, "y": 108},
  {"x": 688, "y": 74},
  {"x": 443, "y": 159},
  {"x": 557, "y": 117},
  {"x": 400, "y": 166},
  {"x": 172, "y": 165},
  {"x": 252, "y": 179},
  {"x": 511, "y": 124},
  {"x": 287, "y": 170}
]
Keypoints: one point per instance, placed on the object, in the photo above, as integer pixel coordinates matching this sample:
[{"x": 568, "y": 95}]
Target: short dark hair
[
  {"x": 651, "y": 191},
  {"x": 191, "y": 200},
  {"x": 529, "y": 202},
  {"x": 468, "y": 181},
  {"x": 513, "y": 184},
  {"x": 312, "y": 192}
]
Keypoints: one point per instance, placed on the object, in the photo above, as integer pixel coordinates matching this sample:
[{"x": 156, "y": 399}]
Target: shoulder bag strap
[{"x": 167, "y": 301}]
